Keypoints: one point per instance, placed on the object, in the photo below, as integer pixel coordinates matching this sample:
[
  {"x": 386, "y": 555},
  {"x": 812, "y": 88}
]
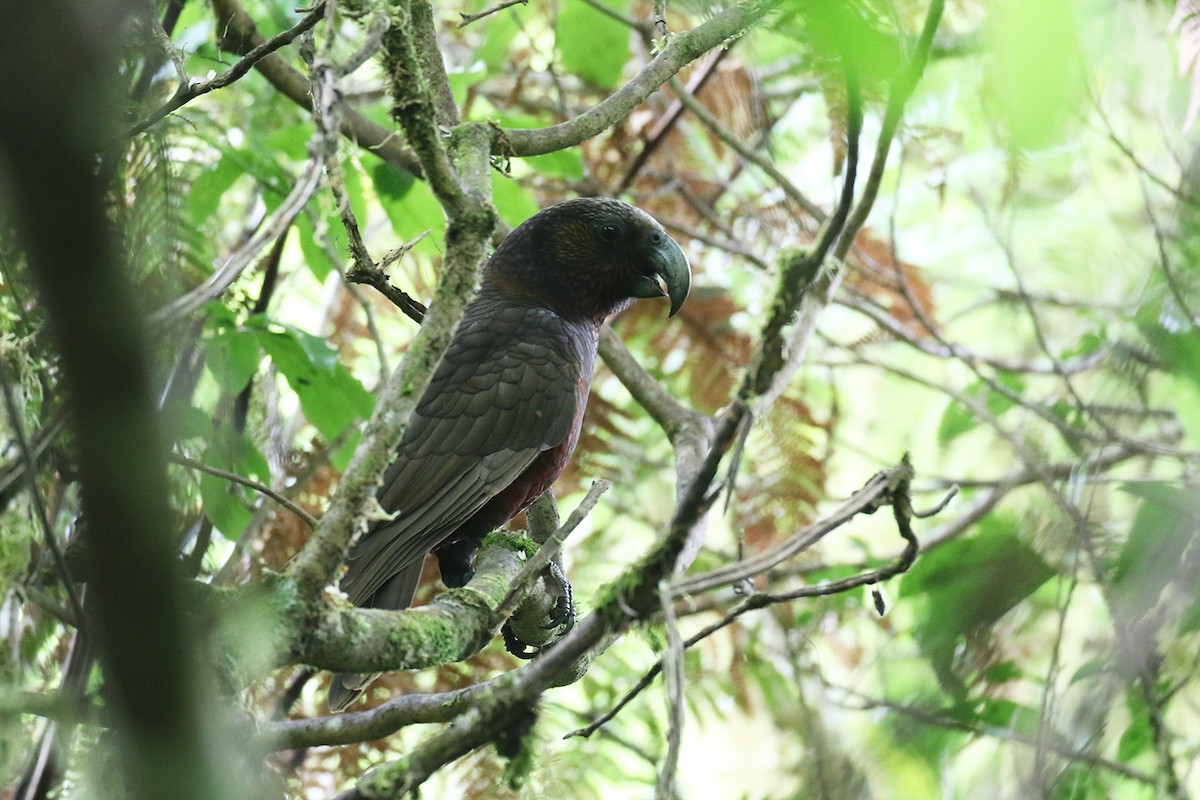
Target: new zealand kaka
[{"x": 502, "y": 412}]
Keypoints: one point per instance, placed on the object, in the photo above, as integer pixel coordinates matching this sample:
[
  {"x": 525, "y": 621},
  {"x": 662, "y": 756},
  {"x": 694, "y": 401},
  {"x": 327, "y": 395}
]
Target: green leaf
[
  {"x": 411, "y": 207},
  {"x": 209, "y": 187},
  {"x": 1088, "y": 343},
  {"x": 1003, "y": 672},
  {"x": 330, "y": 396},
  {"x": 340, "y": 458},
  {"x": 353, "y": 179},
  {"x": 994, "y": 712},
  {"x": 998, "y": 402},
  {"x": 843, "y": 31},
  {"x": 1138, "y": 738},
  {"x": 1079, "y": 782},
  {"x": 969, "y": 584},
  {"x": 1094, "y": 666},
  {"x": 291, "y": 140},
  {"x": 567, "y": 164},
  {"x": 461, "y": 81},
  {"x": 959, "y": 418},
  {"x": 228, "y": 505},
  {"x": 1189, "y": 621},
  {"x": 1176, "y": 343},
  {"x": 956, "y": 420},
  {"x": 315, "y": 255},
  {"x": 187, "y": 422},
  {"x": 593, "y": 45},
  {"x": 224, "y": 506},
  {"x": 1153, "y": 553},
  {"x": 1035, "y": 71},
  {"x": 502, "y": 29},
  {"x": 232, "y": 357},
  {"x": 318, "y": 351},
  {"x": 514, "y": 203}
]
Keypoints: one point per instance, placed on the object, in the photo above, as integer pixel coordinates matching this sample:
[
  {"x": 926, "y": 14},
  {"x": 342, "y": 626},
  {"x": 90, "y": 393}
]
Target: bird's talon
[
  {"x": 515, "y": 646},
  {"x": 563, "y": 613}
]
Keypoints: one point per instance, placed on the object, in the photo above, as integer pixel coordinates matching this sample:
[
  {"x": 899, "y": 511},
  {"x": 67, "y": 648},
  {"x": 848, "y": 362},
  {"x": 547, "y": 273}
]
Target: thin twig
[
  {"x": 221, "y": 279},
  {"x": 658, "y": 134},
  {"x": 901, "y": 510},
  {"x": 681, "y": 50},
  {"x": 755, "y": 156},
  {"x": 876, "y": 490},
  {"x": 374, "y": 275},
  {"x": 672, "y": 661},
  {"x": 35, "y": 491},
  {"x": 541, "y": 559},
  {"x": 940, "y": 507},
  {"x": 942, "y": 348},
  {"x": 185, "y": 94},
  {"x": 467, "y": 19},
  {"x": 233, "y": 477},
  {"x": 1009, "y": 734}
]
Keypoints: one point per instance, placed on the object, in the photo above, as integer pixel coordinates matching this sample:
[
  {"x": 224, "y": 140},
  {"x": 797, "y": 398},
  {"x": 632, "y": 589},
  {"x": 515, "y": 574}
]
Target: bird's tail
[
  {"x": 394, "y": 595},
  {"x": 345, "y": 688}
]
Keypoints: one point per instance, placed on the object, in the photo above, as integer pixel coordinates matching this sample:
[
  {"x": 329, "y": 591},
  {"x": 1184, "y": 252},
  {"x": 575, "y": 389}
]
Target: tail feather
[{"x": 345, "y": 688}]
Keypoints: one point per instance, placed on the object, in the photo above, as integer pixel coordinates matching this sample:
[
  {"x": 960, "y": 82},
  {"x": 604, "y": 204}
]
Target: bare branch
[
  {"x": 238, "y": 34},
  {"x": 672, "y": 664},
  {"x": 671, "y": 415},
  {"x": 373, "y": 274},
  {"x": 224, "y": 276},
  {"x": 887, "y": 486},
  {"x": 467, "y": 19},
  {"x": 755, "y": 156},
  {"x": 681, "y": 50},
  {"x": 187, "y": 92},
  {"x": 1056, "y": 743},
  {"x": 233, "y": 477}
]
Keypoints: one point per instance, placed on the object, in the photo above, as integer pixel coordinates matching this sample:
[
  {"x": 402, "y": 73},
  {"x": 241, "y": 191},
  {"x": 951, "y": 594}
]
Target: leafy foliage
[{"x": 1019, "y": 313}]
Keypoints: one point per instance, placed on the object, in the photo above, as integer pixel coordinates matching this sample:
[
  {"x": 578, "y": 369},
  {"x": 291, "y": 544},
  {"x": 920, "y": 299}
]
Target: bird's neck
[{"x": 577, "y": 310}]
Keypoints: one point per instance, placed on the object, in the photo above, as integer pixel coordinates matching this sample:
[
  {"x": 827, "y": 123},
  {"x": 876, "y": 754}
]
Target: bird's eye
[{"x": 610, "y": 233}]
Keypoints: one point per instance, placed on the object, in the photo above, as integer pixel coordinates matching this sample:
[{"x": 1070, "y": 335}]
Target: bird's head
[{"x": 589, "y": 257}]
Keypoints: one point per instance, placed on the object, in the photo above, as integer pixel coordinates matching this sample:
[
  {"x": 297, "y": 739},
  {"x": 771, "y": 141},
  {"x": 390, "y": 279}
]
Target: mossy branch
[{"x": 456, "y": 625}]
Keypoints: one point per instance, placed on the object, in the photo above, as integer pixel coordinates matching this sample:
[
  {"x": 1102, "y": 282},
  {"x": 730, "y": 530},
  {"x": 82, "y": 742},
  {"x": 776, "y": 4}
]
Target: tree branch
[
  {"x": 890, "y": 486},
  {"x": 239, "y": 35},
  {"x": 233, "y": 477},
  {"x": 456, "y": 625},
  {"x": 186, "y": 93},
  {"x": 681, "y": 50}
]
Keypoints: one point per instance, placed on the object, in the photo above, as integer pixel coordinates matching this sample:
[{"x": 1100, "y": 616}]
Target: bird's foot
[
  {"x": 514, "y": 645},
  {"x": 529, "y": 637},
  {"x": 563, "y": 613}
]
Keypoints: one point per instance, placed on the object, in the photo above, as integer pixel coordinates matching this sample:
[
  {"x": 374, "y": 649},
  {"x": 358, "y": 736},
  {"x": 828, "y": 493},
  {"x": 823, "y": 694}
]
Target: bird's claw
[
  {"x": 515, "y": 646},
  {"x": 563, "y": 613}
]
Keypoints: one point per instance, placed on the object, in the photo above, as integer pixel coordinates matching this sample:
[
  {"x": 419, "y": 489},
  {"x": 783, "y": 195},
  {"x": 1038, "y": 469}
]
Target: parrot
[{"x": 502, "y": 413}]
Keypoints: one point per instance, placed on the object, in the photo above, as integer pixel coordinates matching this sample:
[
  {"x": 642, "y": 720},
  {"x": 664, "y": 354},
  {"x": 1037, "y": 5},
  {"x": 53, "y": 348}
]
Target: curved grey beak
[{"x": 669, "y": 265}]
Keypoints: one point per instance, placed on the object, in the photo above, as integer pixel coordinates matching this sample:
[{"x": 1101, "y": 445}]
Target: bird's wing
[{"x": 505, "y": 391}]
